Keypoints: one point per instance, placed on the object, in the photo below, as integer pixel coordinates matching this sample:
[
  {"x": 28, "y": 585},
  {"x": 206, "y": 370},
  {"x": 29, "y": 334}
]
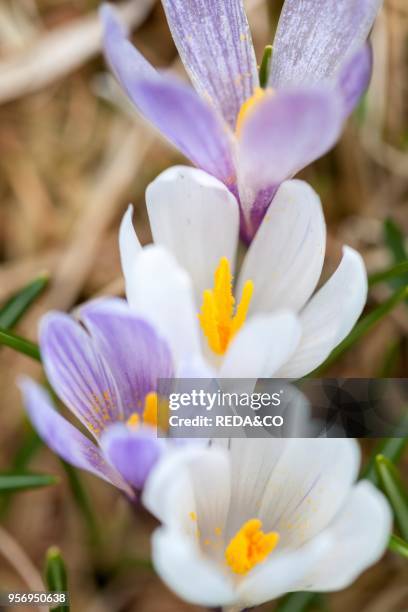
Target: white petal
[
  {"x": 129, "y": 245},
  {"x": 359, "y": 537},
  {"x": 307, "y": 487},
  {"x": 186, "y": 571},
  {"x": 160, "y": 291},
  {"x": 190, "y": 479},
  {"x": 286, "y": 256},
  {"x": 262, "y": 346},
  {"x": 281, "y": 573},
  {"x": 330, "y": 315},
  {"x": 195, "y": 217},
  {"x": 253, "y": 461}
]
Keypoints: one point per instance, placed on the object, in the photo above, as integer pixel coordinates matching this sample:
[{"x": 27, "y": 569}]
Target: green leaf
[
  {"x": 265, "y": 66},
  {"x": 83, "y": 503},
  {"x": 16, "y": 306},
  {"x": 29, "y": 446},
  {"x": 20, "y": 344},
  {"x": 390, "y": 359},
  {"x": 22, "y": 482},
  {"x": 393, "y": 487},
  {"x": 398, "y": 270},
  {"x": 363, "y": 327},
  {"x": 394, "y": 239},
  {"x": 299, "y": 602},
  {"x": 398, "y": 545},
  {"x": 392, "y": 448},
  {"x": 56, "y": 575}
]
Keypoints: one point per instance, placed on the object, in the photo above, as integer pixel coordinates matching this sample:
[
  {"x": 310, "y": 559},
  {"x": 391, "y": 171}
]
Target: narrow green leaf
[
  {"x": 299, "y": 602},
  {"x": 393, "y": 487},
  {"x": 30, "y": 444},
  {"x": 16, "y": 306},
  {"x": 390, "y": 359},
  {"x": 392, "y": 448},
  {"x": 363, "y": 327},
  {"x": 264, "y": 68},
  {"x": 83, "y": 503},
  {"x": 398, "y": 545},
  {"x": 394, "y": 239},
  {"x": 398, "y": 270},
  {"x": 21, "y": 482},
  {"x": 56, "y": 575},
  {"x": 20, "y": 344}
]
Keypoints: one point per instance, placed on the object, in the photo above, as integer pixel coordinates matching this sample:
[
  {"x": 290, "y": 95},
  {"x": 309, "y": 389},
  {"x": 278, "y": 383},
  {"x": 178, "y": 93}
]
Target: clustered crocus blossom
[
  {"x": 105, "y": 368},
  {"x": 272, "y": 322},
  {"x": 181, "y": 319},
  {"x": 245, "y": 521},
  {"x": 250, "y": 137}
]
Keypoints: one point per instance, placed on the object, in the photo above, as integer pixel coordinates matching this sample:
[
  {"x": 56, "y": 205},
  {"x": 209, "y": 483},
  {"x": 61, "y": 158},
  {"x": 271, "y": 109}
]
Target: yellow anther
[
  {"x": 156, "y": 411},
  {"x": 133, "y": 421},
  {"x": 150, "y": 409},
  {"x": 250, "y": 546},
  {"x": 217, "y": 318},
  {"x": 193, "y": 516},
  {"x": 249, "y": 105}
]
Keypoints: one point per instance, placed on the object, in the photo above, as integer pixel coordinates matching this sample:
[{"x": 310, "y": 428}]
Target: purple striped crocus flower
[
  {"x": 105, "y": 369},
  {"x": 250, "y": 137}
]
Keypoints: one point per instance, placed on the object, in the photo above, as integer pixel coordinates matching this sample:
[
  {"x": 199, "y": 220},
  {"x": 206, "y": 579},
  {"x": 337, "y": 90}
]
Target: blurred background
[{"x": 73, "y": 154}]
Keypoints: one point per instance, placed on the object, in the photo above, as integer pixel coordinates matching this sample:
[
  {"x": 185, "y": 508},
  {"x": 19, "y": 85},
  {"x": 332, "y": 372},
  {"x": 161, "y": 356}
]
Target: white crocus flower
[
  {"x": 248, "y": 522},
  {"x": 275, "y": 326}
]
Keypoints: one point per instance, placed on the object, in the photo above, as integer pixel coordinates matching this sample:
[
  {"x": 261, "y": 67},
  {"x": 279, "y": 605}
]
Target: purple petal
[
  {"x": 63, "y": 438},
  {"x": 314, "y": 37},
  {"x": 78, "y": 373},
  {"x": 214, "y": 42},
  {"x": 354, "y": 77},
  {"x": 132, "y": 452},
  {"x": 136, "y": 356},
  {"x": 283, "y": 134},
  {"x": 124, "y": 59},
  {"x": 173, "y": 107}
]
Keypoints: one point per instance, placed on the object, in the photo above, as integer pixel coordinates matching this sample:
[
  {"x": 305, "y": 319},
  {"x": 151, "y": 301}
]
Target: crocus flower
[
  {"x": 247, "y": 522},
  {"x": 251, "y": 137},
  {"x": 105, "y": 369},
  {"x": 275, "y": 325}
]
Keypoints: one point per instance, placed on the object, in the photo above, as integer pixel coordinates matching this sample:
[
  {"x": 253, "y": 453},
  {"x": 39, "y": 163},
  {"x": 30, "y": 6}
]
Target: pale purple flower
[
  {"x": 252, "y": 139},
  {"x": 102, "y": 368}
]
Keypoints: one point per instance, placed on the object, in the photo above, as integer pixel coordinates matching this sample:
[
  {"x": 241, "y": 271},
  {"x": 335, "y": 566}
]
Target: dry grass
[{"x": 72, "y": 155}]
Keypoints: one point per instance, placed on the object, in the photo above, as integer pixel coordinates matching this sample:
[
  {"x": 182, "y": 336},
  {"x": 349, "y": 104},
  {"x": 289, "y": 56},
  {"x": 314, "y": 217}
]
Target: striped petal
[
  {"x": 315, "y": 37},
  {"x": 137, "y": 357},
  {"x": 63, "y": 438},
  {"x": 78, "y": 374},
  {"x": 172, "y": 106},
  {"x": 214, "y": 42}
]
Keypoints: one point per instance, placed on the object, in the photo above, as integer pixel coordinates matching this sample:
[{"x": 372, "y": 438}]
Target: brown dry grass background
[{"x": 72, "y": 155}]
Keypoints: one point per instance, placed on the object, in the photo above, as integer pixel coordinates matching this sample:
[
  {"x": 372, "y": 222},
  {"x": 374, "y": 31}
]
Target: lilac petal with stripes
[
  {"x": 188, "y": 122},
  {"x": 172, "y": 106},
  {"x": 314, "y": 37},
  {"x": 354, "y": 77},
  {"x": 124, "y": 59},
  {"x": 132, "y": 452},
  {"x": 214, "y": 41},
  {"x": 137, "y": 357},
  {"x": 63, "y": 438},
  {"x": 284, "y": 133},
  {"x": 77, "y": 372}
]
